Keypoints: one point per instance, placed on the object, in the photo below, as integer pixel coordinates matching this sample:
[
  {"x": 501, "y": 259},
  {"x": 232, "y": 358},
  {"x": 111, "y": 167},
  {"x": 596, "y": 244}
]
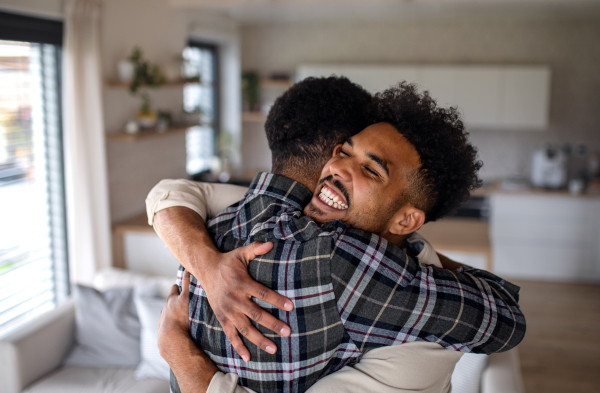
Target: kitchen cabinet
[
  {"x": 525, "y": 97},
  {"x": 489, "y": 97},
  {"x": 548, "y": 236}
]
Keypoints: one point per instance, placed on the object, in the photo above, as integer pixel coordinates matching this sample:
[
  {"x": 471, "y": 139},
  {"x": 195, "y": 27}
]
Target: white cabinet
[
  {"x": 541, "y": 236},
  {"x": 373, "y": 78},
  {"x": 494, "y": 97},
  {"x": 526, "y": 97},
  {"x": 476, "y": 92}
]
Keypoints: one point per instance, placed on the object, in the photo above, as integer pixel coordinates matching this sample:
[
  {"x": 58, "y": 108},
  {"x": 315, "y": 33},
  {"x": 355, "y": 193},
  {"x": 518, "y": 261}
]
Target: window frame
[
  {"x": 35, "y": 30},
  {"x": 216, "y": 123}
]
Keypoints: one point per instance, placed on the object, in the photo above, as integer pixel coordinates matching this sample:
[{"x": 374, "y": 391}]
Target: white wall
[
  {"x": 161, "y": 32},
  {"x": 569, "y": 46}
]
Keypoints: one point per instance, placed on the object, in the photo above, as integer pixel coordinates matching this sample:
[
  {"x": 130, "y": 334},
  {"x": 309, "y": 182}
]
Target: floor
[{"x": 561, "y": 349}]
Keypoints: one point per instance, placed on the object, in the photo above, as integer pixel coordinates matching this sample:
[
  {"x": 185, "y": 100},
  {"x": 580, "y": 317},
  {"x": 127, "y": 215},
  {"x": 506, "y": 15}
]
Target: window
[
  {"x": 33, "y": 252},
  {"x": 201, "y": 98}
]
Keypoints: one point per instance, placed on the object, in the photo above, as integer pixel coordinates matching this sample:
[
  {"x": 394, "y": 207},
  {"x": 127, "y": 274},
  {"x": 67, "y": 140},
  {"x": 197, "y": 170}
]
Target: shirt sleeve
[
  {"x": 387, "y": 298},
  {"x": 206, "y": 199},
  {"x": 419, "y": 366},
  {"x": 226, "y": 383}
]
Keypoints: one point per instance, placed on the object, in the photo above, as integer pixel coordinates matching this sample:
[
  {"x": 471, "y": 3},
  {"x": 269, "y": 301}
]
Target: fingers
[
  {"x": 251, "y": 251},
  {"x": 261, "y": 248},
  {"x": 268, "y": 295},
  {"x": 185, "y": 284},
  {"x": 267, "y": 320},
  {"x": 236, "y": 342},
  {"x": 246, "y": 329},
  {"x": 174, "y": 290}
]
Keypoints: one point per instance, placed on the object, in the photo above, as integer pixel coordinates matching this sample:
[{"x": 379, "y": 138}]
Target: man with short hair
[{"x": 356, "y": 291}]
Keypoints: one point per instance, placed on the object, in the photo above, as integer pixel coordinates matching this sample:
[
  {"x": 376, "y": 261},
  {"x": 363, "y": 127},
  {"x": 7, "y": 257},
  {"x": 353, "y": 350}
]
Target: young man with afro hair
[{"x": 358, "y": 283}]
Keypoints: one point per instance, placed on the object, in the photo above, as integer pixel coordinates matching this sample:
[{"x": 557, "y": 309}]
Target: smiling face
[{"x": 363, "y": 183}]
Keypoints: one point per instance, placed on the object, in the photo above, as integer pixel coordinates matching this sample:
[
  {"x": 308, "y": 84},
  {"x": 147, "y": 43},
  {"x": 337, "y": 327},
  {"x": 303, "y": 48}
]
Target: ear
[
  {"x": 407, "y": 220},
  {"x": 336, "y": 150}
]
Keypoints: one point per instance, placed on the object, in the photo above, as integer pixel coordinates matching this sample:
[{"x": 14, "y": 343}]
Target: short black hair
[
  {"x": 449, "y": 166},
  {"x": 311, "y": 118}
]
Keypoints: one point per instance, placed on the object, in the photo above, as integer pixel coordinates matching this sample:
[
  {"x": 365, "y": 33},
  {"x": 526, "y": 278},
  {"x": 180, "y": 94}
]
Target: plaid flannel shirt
[{"x": 352, "y": 291}]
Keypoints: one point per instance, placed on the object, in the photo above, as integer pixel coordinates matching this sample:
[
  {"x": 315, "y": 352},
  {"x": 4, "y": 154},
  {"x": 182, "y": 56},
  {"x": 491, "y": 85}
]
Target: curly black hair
[
  {"x": 311, "y": 118},
  {"x": 449, "y": 166}
]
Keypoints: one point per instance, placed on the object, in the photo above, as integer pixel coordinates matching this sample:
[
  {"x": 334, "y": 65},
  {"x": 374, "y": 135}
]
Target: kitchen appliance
[{"x": 549, "y": 168}]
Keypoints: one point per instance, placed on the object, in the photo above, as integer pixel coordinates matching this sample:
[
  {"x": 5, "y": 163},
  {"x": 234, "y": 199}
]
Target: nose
[{"x": 341, "y": 169}]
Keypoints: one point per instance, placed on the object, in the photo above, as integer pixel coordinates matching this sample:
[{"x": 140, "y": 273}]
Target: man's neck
[
  {"x": 397, "y": 240},
  {"x": 310, "y": 183}
]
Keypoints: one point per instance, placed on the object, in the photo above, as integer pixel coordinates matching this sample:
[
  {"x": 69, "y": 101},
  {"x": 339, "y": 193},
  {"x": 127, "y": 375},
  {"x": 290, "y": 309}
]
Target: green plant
[
  {"x": 146, "y": 74},
  {"x": 250, "y": 89},
  {"x": 145, "y": 103}
]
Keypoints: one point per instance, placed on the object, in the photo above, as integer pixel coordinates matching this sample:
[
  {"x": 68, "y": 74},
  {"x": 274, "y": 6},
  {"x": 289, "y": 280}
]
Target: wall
[
  {"x": 569, "y": 46},
  {"x": 161, "y": 32}
]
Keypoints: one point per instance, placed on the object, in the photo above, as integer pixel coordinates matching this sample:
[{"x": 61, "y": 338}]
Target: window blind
[{"x": 33, "y": 257}]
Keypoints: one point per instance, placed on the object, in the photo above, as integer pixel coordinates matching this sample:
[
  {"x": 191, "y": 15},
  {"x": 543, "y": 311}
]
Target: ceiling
[{"x": 319, "y": 10}]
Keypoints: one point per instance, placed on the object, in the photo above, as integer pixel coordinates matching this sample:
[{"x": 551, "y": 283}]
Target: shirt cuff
[
  {"x": 225, "y": 383},
  {"x": 169, "y": 199}
]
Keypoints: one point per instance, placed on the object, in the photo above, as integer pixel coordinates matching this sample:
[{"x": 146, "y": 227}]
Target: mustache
[{"x": 338, "y": 185}]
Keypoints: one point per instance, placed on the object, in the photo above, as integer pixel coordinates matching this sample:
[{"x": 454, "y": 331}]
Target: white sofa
[{"x": 31, "y": 357}]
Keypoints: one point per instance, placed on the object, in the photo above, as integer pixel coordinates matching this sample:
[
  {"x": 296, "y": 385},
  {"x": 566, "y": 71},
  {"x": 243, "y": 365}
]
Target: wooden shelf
[
  {"x": 125, "y": 85},
  {"x": 146, "y": 134},
  {"x": 253, "y": 117},
  {"x": 267, "y": 83}
]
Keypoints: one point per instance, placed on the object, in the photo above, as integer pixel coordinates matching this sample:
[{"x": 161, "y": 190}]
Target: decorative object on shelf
[
  {"x": 165, "y": 119},
  {"x": 126, "y": 71},
  {"x": 132, "y": 127},
  {"x": 146, "y": 118},
  {"x": 250, "y": 91},
  {"x": 146, "y": 74}
]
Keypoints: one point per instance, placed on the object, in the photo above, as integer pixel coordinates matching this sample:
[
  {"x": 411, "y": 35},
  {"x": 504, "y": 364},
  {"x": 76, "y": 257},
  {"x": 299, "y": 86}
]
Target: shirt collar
[{"x": 280, "y": 187}]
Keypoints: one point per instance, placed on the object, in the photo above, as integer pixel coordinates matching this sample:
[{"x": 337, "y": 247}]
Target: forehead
[{"x": 384, "y": 141}]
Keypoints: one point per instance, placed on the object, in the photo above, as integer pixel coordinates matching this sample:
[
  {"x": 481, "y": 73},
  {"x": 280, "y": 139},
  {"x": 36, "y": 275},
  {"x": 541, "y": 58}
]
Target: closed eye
[{"x": 372, "y": 172}]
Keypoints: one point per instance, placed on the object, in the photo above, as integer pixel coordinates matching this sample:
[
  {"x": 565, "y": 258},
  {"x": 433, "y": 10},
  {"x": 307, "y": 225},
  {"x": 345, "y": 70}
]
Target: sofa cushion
[
  {"x": 112, "y": 277},
  {"x": 107, "y": 330},
  {"x": 149, "y": 304},
  {"x": 96, "y": 380},
  {"x": 468, "y": 372}
]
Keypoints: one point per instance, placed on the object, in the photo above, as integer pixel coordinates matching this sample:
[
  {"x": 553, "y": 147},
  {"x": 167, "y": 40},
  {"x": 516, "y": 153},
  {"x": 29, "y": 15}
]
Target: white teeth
[{"x": 331, "y": 199}]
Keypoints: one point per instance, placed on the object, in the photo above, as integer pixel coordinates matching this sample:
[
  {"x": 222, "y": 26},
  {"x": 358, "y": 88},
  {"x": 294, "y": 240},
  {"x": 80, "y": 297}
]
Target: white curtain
[{"x": 85, "y": 157}]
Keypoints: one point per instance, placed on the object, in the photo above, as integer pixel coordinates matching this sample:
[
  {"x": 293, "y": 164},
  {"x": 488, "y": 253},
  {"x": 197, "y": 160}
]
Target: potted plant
[{"x": 147, "y": 75}]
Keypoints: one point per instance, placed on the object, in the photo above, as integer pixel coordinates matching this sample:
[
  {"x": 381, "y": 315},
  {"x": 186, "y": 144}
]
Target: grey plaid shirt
[{"x": 352, "y": 291}]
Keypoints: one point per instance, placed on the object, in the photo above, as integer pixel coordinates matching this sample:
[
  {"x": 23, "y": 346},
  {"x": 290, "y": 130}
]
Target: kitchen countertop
[
  {"x": 495, "y": 189},
  {"x": 452, "y": 234}
]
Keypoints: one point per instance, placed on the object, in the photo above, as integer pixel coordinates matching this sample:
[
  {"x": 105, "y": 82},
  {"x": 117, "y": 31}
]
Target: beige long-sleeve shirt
[{"x": 413, "y": 367}]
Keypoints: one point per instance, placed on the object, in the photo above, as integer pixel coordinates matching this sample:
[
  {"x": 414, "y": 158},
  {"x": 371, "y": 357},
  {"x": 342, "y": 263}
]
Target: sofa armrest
[
  {"x": 36, "y": 348},
  {"x": 503, "y": 374}
]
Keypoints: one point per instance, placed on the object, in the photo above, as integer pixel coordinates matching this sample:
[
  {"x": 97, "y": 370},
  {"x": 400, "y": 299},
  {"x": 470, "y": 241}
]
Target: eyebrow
[
  {"x": 350, "y": 141},
  {"x": 381, "y": 162}
]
